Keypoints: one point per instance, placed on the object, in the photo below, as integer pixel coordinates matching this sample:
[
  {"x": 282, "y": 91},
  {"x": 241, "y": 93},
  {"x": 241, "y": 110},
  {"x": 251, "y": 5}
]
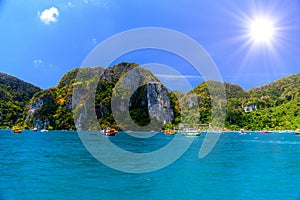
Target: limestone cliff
[{"x": 148, "y": 101}]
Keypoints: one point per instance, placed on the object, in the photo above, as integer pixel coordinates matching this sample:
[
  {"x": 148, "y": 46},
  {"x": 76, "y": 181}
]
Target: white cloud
[
  {"x": 37, "y": 63},
  {"x": 94, "y": 41},
  {"x": 49, "y": 15}
]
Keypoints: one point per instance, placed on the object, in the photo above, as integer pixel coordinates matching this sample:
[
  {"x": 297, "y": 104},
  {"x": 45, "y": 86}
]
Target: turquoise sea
[{"x": 55, "y": 165}]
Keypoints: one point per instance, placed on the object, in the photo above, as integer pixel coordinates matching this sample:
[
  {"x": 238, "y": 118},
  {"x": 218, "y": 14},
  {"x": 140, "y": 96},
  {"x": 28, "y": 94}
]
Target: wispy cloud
[
  {"x": 102, "y": 3},
  {"x": 49, "y": 15},
  {"x": 40, "y": 64},
  {"x": 70, "y": 4}
]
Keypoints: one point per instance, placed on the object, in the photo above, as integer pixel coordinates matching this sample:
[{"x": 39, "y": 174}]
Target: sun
[{"x": 261, "y": 30}]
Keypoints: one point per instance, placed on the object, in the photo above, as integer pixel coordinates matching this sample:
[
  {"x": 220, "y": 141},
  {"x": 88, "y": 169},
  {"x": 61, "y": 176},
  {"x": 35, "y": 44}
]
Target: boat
[
  {"x": 109, "y": 132},
  {"x": 17, "y": 129},
  {"x": 297, "y": 132},
  {"x": 44, "y": 130},
  {"x": 264, "y": 132},
  {"x": 169, "y": 132},
  {"x": 191, "y": 134},
  {"x": 35, "y": 129},
  {"x": 242, "y": 132}
]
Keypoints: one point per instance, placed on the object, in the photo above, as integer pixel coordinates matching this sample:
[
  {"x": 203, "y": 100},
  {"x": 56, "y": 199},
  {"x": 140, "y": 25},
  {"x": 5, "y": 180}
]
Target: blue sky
[{"x": 42, "y": 40}]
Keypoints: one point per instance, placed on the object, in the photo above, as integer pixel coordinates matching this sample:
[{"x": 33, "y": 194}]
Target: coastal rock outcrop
[
  {"x": 42, "y": 109},
  {"x": 149, "y": 101}
]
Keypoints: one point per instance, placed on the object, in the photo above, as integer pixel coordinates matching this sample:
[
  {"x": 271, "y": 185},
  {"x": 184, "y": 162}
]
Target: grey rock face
[
  {"x": 159, "y": 105},
  {"x": 124, "y": 80},
  {"x": 154, "y": 95},
  {"x": 41, "y": 110}
]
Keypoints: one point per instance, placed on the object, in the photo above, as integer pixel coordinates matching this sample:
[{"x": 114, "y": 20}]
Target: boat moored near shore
[
  {"x": 188, "y": 133},
  {"x": 109, "y": 131},
  {"x": 170, "y": 132},
  {"x": 17, "y": 129}
]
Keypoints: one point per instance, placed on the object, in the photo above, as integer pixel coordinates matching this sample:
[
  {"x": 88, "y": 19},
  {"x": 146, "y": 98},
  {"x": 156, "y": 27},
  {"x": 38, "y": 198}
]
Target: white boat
[
  {"x": 242, "y": 132},
  {"x": 35, "y": 129},
  {"x": 190, "y": 132},
  {"x": 44, "y": 130}
]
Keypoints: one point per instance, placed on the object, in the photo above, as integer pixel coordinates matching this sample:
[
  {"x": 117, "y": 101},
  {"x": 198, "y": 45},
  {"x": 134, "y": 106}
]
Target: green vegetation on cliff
[
  {"x": 14, "y": 96},
  {"x": 278, "y": 105},
  {"x": 198, "y": 103},
  {"x": 274, "y": 106},
  {"x": 53, "y": 107}
]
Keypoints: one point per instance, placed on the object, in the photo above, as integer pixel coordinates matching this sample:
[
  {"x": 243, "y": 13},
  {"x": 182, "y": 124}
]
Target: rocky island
[{"x": 274, "y": 106}]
